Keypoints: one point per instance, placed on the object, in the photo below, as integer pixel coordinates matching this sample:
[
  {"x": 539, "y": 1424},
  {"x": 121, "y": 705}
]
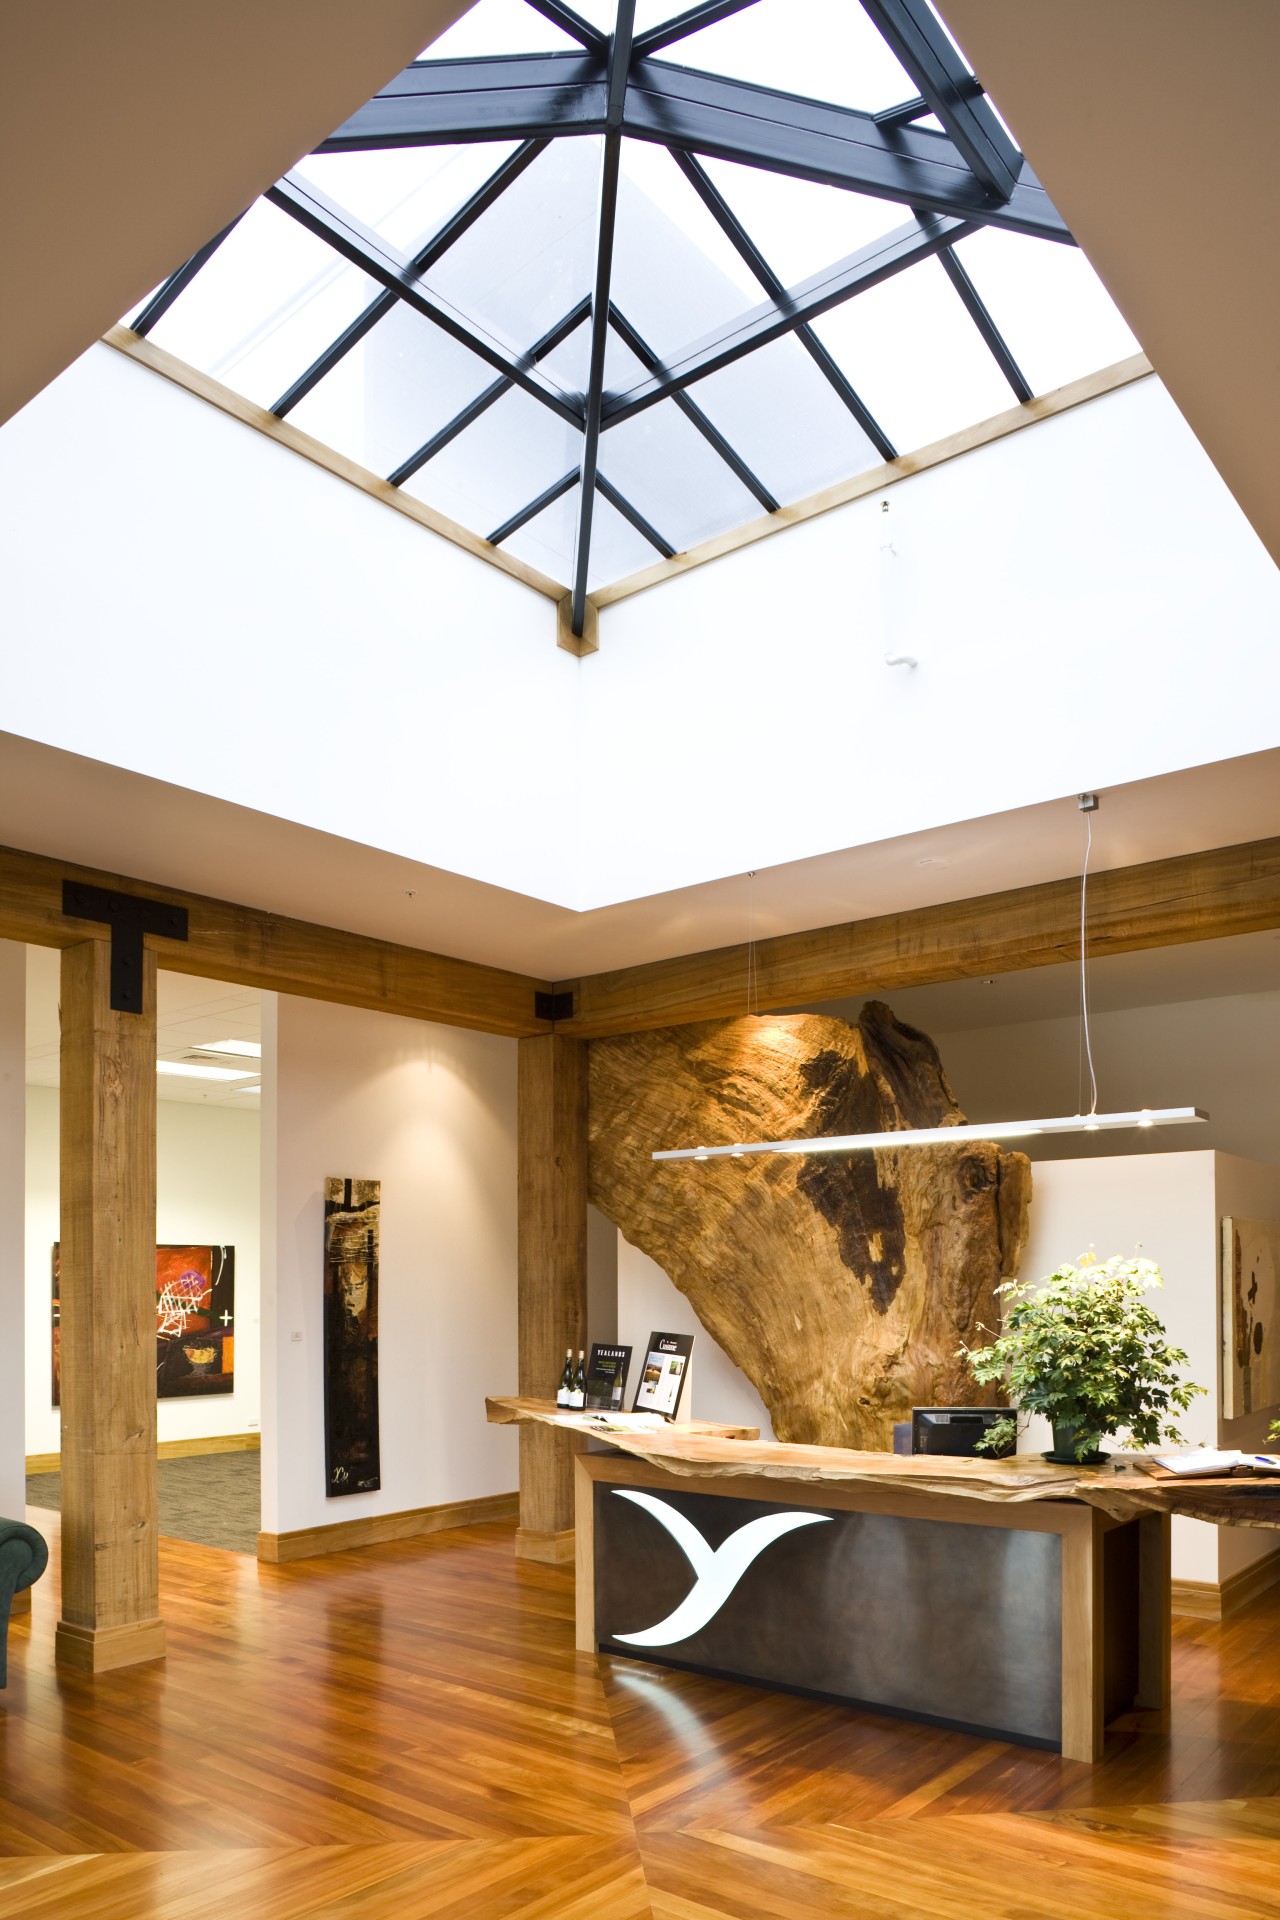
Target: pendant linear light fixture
[{"x": 1091, "y": 1122}]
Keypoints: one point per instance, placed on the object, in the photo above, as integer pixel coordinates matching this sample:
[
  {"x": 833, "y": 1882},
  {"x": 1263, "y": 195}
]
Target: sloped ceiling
[
  {"x": 1153, "y": 128},
  {"x": 130, "y": 133}
]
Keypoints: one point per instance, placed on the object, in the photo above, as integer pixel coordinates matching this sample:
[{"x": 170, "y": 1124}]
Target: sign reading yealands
[{"x": 351, "y": 1215}]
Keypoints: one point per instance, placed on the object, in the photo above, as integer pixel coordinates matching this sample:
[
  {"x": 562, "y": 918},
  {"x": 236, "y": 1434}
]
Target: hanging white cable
[
  {"x": 752, "y": 982},
  {"x": 1088, "y": 806}
]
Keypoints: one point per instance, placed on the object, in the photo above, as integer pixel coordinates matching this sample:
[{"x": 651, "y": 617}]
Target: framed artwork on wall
[
  {"x": 1250, "y": 1334},
  {"x": 352, "y": 1215},
  {"x": 195, "y": 1321}
]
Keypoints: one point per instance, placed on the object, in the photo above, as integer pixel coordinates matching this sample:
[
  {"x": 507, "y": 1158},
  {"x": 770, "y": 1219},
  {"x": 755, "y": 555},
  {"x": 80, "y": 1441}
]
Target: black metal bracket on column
[
  {"x": 553, "y": 1006},
  {"x": 128, "y": 917}
]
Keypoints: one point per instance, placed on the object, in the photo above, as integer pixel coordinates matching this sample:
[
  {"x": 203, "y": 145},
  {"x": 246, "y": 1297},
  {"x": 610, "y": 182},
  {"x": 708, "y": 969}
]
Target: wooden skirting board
[
  {"x": 375, "y": 1529},
  {"x": 167, "y": 1450},
  {"x": 1213, "y": 1600}
]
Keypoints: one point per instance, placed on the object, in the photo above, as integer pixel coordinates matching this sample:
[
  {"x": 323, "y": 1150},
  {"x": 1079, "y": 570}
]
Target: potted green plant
[{"x": 1084, "y": 1349}]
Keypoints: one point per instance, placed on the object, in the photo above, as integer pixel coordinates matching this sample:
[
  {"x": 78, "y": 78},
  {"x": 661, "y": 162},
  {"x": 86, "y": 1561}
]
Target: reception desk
[{"x": 1012, "y": 1599}]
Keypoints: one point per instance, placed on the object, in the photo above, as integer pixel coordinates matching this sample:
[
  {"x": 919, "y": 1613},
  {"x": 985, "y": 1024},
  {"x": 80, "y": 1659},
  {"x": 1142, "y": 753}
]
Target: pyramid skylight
[{"x": 601, "y": 285}]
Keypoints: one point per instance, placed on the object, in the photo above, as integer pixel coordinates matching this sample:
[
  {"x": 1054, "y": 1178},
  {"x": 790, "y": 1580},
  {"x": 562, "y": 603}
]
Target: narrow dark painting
[
  {"x": 195, "y": 1322},
  {"x": 351, "y": 1210}
]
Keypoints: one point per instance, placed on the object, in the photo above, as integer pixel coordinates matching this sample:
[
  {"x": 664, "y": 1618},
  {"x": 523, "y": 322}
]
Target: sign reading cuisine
[{"x": 195, "y": 1321}]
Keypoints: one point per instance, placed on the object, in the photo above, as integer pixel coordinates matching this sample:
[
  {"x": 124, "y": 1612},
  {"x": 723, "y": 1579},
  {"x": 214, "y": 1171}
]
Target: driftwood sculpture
[{"x": 841, "y": 1284}]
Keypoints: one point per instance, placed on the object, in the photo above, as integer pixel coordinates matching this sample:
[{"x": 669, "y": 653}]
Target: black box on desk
[{"x": 953, "y": 1430}]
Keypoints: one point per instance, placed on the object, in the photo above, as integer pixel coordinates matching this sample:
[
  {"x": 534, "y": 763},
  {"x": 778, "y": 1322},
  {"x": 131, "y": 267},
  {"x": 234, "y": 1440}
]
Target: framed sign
[
  {"x": 607, "y": 1377},
  {"x": 662, "y": 1376},
  {"x": 352, "y": 1455}
]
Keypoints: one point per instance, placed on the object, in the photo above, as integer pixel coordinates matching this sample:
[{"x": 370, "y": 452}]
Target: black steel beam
[
  {"x": 693, "y": 21},
  {"x": 534, "y": 508},
  {"x": 355, "y": 242},
  {"x": 571, "y": 23},
  {"x": 528, "y": 96},
  {"x": 835, "y": 146},
  {"x": 444, "y": 237},
  {"x": 637, "y": 519},
  {"x": 606, "y": 221},
  {"x": 913, "y": 33},
  {"x": 903, "y": 114},
  {"x": 503, "y": 97},
  {"x": 164, "y": 296},
  {"x": 483, "y": 401},
  {"x": 728, "y": 222},
  {"x": 986, "y": 326},
  {"x": 693, "y": 412},
  {"x": 813, "y": 297}
]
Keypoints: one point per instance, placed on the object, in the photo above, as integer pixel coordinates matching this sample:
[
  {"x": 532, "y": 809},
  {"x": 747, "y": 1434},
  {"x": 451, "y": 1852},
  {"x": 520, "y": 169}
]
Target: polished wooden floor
[{"x": 408, "y": 1731}]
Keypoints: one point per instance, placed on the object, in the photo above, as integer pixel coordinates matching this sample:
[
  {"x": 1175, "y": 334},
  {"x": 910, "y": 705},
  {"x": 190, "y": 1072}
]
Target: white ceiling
[
  {"x": 81, "y": 810},
  {"x": 190, "y": 1012}
]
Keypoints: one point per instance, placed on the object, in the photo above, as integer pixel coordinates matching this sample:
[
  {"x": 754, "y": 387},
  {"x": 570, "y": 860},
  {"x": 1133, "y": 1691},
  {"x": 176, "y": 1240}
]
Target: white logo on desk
[{"x": 718, "y": 1572}]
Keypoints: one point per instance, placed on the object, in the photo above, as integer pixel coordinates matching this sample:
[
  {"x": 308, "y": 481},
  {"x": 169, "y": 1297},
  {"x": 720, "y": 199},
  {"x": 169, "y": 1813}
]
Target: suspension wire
[
  {"x": 753, "y": 984},
  {"x": 1084, "y": 964}
]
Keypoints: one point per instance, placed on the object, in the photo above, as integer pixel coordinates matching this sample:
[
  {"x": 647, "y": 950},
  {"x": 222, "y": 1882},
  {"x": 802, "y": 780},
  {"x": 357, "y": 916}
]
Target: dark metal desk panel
[{"x": 954, "y": 1623}]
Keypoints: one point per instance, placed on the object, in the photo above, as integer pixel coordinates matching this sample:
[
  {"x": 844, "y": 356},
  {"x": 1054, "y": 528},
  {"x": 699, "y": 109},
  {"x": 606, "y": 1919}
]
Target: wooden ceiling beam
[
  {"x": 1197, "y": 896},
  {"x": 265, "y": 950}
]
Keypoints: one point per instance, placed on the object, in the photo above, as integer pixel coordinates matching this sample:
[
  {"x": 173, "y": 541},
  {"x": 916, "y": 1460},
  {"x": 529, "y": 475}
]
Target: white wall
[
  {"x": 1088, "y": 606},
  {"x": 430, "y": 1111},
  {"x": 1053, "y": 585},
  {"x": 362, "y": 635},
  {"x": 1221, "y": 1054},
  {"x": 1164, "y": 1207},
  {"x": 648, "y": 1303},
  {"x": 207, "y": 1190},
  {"x": 13, "y": 1059},
  {"x": 1244, "y": 1191}
]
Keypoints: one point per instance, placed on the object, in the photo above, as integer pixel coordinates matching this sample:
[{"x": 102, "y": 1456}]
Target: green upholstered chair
[{"x": 23, "y": 1558}]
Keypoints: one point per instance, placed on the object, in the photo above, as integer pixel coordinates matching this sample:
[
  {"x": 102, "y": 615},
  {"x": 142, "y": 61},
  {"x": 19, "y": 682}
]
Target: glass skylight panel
[
  {"x": 701, "y": 250},
  {"x": 822, "y": 49},
  {"x": 1054, "y": 313},
  {"x": 798, "y": 226},
  {"x": 785, "y": 420},
  {"x": 616, "y": 548},
  {"x": 547, "y": 541},
  {"x": 676, "y": 276},
  {"x": 916, "y": 357},
  {"x": 499, "y": 26},
  {"x": 399, "y": 385},
  {"x": 671, "y": 475},
  {"x": 267, "y": 303},
  {"x": 406, "y": 194},
  {"x": 501, "y": 463},
  {"x": 531, "y": 258}
]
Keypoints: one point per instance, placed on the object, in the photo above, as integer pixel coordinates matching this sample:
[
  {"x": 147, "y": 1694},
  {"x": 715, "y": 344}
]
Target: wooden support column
[
  {"x": 552, "y": 1186},
  {"x": 110, "y": 1578}
]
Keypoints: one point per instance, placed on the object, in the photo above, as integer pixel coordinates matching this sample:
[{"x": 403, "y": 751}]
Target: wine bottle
[
  {"x": 564, "y": 1392},
  {"x": 579, "y": 1398}
]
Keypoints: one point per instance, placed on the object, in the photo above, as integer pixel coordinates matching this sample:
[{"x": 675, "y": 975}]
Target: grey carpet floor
[{"x": 214, "y": 1499}]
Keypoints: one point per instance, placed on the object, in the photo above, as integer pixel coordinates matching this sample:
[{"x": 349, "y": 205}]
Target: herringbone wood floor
[{"x": 408, "y": 1731}]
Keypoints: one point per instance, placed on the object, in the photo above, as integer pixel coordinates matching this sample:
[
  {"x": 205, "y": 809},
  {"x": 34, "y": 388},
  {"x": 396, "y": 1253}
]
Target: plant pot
[{"x": 1065, "y": 1440}]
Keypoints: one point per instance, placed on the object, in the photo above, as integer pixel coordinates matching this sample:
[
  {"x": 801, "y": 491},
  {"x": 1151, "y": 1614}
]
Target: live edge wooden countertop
[{"x": 704, "y": 1451}]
